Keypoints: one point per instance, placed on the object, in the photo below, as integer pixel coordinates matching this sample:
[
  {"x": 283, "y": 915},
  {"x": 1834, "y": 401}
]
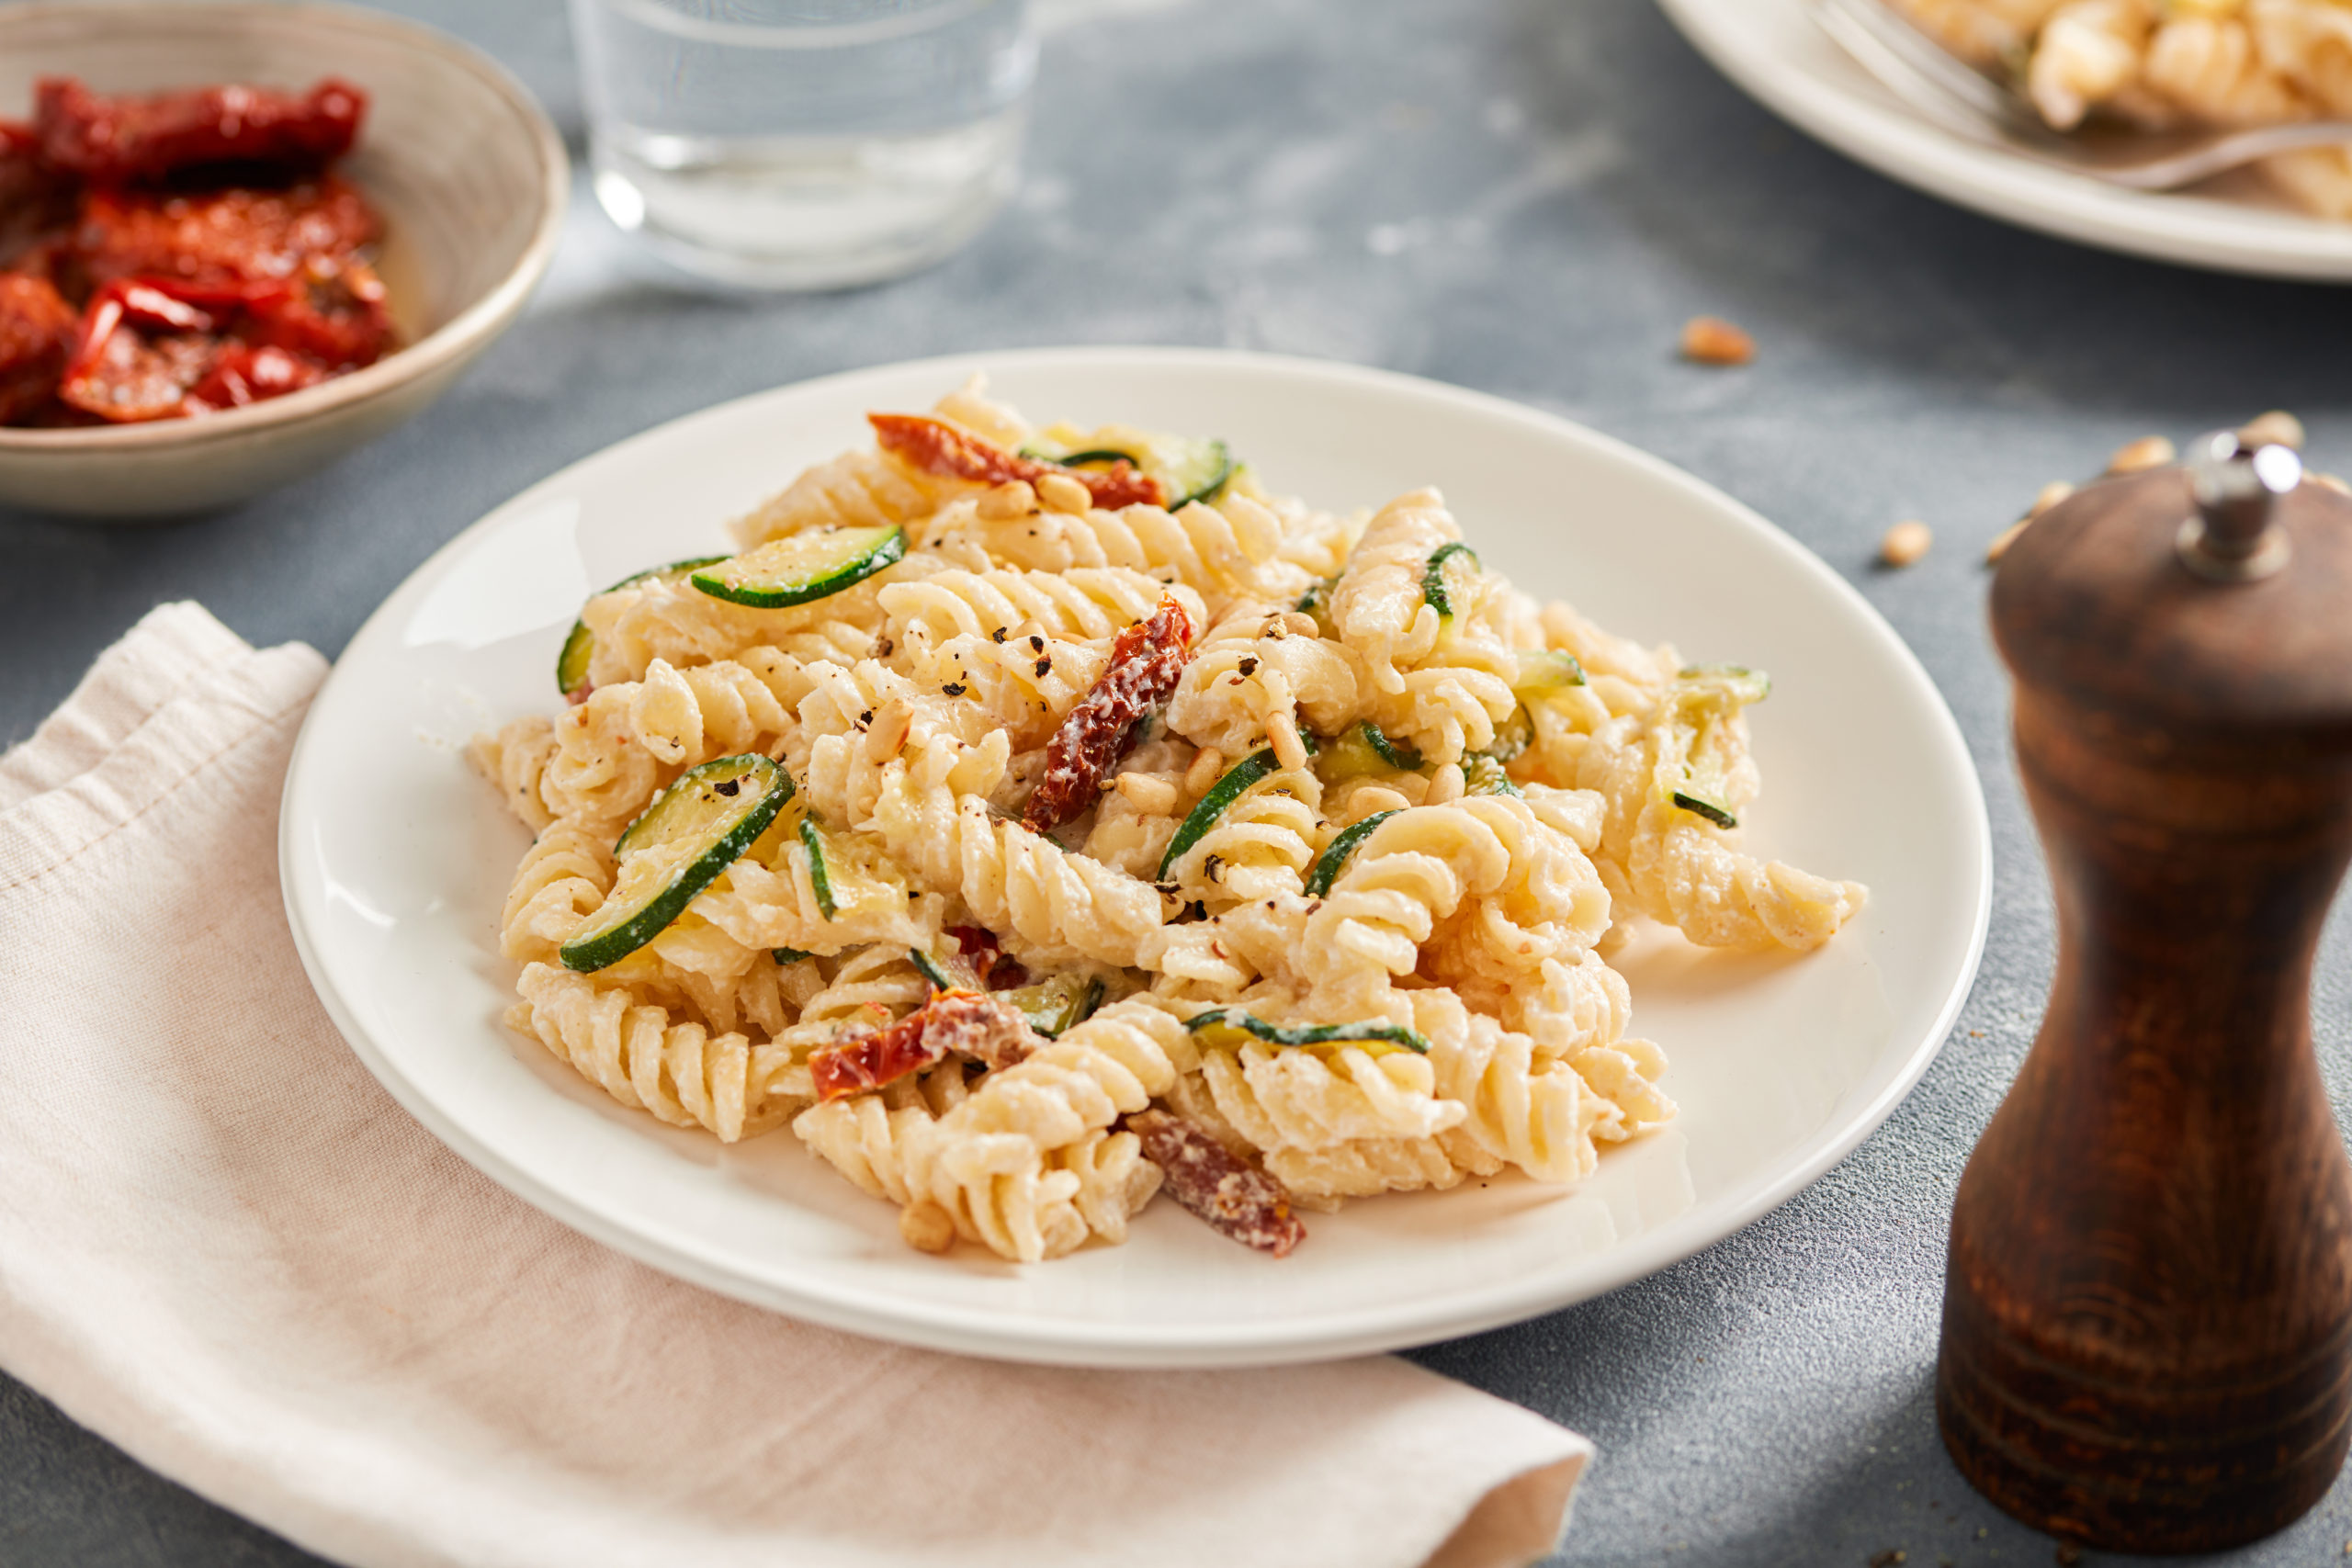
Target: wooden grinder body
[{"x": 2148, "y": 1305}]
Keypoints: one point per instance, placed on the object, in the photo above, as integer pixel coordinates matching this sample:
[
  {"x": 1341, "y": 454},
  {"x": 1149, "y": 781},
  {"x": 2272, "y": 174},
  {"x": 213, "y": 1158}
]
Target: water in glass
[{"x": 804, "y": 144}]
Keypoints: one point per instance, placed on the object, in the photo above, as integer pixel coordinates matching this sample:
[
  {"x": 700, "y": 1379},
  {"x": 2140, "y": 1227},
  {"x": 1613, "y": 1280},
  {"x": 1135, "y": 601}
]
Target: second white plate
[
  {"x": 396, "y": 858},
  {"x": 1773, "y": 50}
]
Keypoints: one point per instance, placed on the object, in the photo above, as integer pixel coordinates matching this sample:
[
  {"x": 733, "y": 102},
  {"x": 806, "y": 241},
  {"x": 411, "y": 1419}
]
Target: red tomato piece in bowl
[
  {"x": 335, "y": 314},
  {"x": 241, "y": 374},
  {"x": 220, "y": 238},
  {"x": 36, "y": 331},
  {"x": 115, "y": 141}
]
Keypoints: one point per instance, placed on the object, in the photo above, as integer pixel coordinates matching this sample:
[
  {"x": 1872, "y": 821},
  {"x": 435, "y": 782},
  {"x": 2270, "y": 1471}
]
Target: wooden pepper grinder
[{"x": 2147, "y": 1330}]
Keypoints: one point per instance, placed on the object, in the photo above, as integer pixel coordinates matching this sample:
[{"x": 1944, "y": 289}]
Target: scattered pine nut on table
[
  {"x": 1711, "y": 340},
  {"x": 2277, "y": 428},
  {"x": 2148, "y": 452},
  {"x": 1905, "y": 542}
]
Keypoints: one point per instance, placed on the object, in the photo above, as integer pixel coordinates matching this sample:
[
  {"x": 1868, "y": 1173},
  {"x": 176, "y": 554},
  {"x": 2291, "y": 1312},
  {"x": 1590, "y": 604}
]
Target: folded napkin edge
[{"x": 213, "y": 714}]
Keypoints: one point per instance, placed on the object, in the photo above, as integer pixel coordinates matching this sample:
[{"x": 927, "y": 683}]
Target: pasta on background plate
[
  {"x": 1038, "y": 821},
  {"x": 2166, "y": 64}
]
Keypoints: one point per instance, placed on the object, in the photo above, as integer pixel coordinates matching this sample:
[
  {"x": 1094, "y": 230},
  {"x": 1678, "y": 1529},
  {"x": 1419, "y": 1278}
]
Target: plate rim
[
  {"x": 1915, "y": 152},
  {"x": 967, "y": 1330}
]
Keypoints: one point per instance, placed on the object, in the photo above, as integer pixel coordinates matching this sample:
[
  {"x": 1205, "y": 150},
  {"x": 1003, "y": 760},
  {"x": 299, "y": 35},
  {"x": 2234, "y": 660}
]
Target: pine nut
[{"x": 1905, "y": 542}]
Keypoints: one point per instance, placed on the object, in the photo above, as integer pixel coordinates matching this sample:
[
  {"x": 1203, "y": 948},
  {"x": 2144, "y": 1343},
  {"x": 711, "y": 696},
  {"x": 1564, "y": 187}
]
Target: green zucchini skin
[
  {"x": 1404, "y": 759},
  {"x": 1208, "y": 468},
  {"x": 1091, "y": 454},
  {"x": 820, "y": 876},
  {"x": 857, "y": 554},
  {"x": 1702, "y": 806},
  {"x": 1237, "y": 778},
  {"x": 1364, "y": 749},
  {"x": 1058, "y": 1004},
  {"x": 1200, "y": 472},
  {"x": 790, "y": 955},
  {"x": 571, "y": 664},
  {"x": 943, "y": 972},
  {"x": 1744, "y": 685},
  {"x": 1433, "y": 590},
  {"x": 613, "y": 939},
  {"x": 1545, "y": 670},
  {"x": 1485, "y": 776},
  {"x": 1334, "y": 858},
  {"x": 1310, "y": 1035},
  {"x": 1317, "y": 601}
]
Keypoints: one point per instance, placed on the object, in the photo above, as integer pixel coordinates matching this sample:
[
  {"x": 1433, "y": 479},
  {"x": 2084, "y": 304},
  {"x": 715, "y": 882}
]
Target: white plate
[
  {"x": 1772, "y": 49},
  {"x": 396, "y": 857}
]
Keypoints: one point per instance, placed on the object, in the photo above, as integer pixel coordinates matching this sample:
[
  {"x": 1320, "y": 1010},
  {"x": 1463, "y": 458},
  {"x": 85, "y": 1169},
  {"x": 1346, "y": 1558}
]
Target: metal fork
[{"x": 1924, "y": 75}]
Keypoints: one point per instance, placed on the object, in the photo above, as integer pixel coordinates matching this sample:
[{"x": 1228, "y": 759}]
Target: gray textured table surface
[{"x": 1526, "y": 196}]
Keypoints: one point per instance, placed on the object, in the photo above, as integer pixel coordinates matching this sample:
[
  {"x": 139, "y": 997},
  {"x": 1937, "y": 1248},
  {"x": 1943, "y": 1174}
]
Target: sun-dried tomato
[
  {"x": 997, "y": 969},
  {"x": 223, "y": 239},
  {"x": 1236, "y": 1198},
  {"x": 118, "y": 139},
  {"x": 36, "y": 203},
  {"x": 962, "y": 1023},
  {"x": 129, "y": 376},
  {"x": 1147, "y": 660},
  {"x": 335, "y": 315},
  {"x": 241, "y": 374},
  {"x": 37, "y": 334},
  {"x": 936, "y": 447}
]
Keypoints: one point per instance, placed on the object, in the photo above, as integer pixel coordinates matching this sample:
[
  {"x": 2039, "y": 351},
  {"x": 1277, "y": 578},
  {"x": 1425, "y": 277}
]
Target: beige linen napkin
[{"x": 225, "y": 1249}]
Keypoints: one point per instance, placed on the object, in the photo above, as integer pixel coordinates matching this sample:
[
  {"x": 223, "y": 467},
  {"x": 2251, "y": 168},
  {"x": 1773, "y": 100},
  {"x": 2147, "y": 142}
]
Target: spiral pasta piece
[
  {"x": 1214, "y": 549},
  {"x": 680, "y": 1072},
  {"x": 1519, "y": 1108},
  {"x": 563, "y": 878},
  {"x": 1085, "y": 603},
  {"x": 1264, "y": 672},
  {"x": 678, "y": 622},
  {"x": 1679, "y": 868},
  {"x": 1377, "y": 606},
  {"x": 514, "y": 758},
  {"x": 1052, "y": 905},
  {"x": 1259, "y": 847},
  {"x": 862, "y": 489},
  {"x": 1023, "y": 1166}
]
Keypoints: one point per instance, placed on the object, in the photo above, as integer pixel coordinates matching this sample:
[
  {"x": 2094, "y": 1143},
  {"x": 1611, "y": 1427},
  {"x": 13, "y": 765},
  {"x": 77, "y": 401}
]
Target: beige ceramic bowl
[{"x": 470, "y": 178}]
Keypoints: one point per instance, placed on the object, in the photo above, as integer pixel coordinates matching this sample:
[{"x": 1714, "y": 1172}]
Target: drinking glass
[{"x": 804, "y": 144}]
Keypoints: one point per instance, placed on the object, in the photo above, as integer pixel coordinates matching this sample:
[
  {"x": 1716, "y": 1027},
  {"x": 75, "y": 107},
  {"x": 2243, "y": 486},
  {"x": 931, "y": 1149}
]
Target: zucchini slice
[
  {"x": 571, "y": 664},
  {"x": 1334, "y": 858},
  {"x": 1543, "y": 671},
  {"x": 1512, "y": 736},
  {"x": 1225, "y": 1026},
  {"x": 1736, "y": 682},
  {"x": 821, "y": 876},
  {"x": 1317, "y": 601},
  {"x": 944, "y": 972},
  {"x": 697, "y": 829},
  {"x": 1485, "y": 776},
  {"x": 1433, "y": 588},
  {"x": 1366, "y": 749},
  {"x": 1192, "y": 470},
  {"x": 1052, "y": 1006},
  {"x": 847, "y": 872},
  {"x": 1721, "y": 817},
  {"x": 1238, "y": 779},
  {"x": 791, "y": 956},
  {"x": 1188, "y": 469},
  {"x": 1710, "y": 694},
  {"x": 801, "y": 568}
]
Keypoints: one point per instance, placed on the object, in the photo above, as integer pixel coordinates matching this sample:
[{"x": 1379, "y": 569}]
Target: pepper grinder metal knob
[
  {"x": 2230, "y": 538},
  {"x": 2147, "y": 1329}
]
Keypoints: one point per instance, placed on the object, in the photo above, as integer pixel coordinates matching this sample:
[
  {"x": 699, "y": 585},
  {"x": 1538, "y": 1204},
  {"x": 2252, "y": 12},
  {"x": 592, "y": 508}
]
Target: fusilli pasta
[{"x": 1047, "y": 811}]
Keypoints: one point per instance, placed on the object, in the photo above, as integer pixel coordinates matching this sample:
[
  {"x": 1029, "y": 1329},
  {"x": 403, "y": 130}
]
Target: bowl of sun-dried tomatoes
[{"x": 237, "y": 241}]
